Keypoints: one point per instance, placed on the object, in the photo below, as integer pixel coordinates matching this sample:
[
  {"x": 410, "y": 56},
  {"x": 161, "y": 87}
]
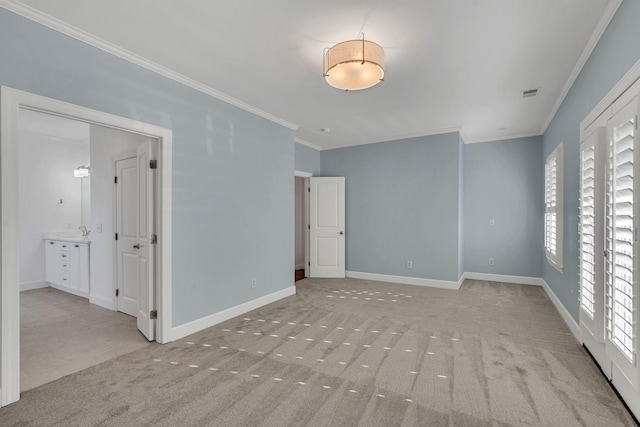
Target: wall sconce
[{"x": 81, "y": 172}]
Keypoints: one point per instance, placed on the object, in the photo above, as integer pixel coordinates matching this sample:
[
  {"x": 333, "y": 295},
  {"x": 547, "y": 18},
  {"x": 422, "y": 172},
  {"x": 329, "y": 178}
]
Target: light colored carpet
[
  {"x": 350, "y": 353},
  {"x": 61, "y": 333}
]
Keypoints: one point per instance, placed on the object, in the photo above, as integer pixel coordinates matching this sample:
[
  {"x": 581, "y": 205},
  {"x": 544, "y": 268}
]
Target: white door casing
[
  {"x": 145, "y": 246},
  {"x": 126, "y": 231},
  {"x": 327, "y": 231}
]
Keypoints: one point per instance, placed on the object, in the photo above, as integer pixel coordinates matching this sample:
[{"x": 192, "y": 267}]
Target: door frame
[
  {"x": 11, "y": 101},
  {"x": 306, "y": 176}
]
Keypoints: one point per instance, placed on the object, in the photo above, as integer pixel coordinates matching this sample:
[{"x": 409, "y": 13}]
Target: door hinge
[
  {"x": 309, "y": 189},
  {"x": 309, "y": 227},
  {"x": 116, "y": 236},
  {"x": 117, "y": 292},
  {"x": 153, "y": 314},
  {"x": 309, "y": 263},
  {"x": 153, "y": 164},
  {"x": 154, "y": 239},
  {"x": 115, "y": 179}
]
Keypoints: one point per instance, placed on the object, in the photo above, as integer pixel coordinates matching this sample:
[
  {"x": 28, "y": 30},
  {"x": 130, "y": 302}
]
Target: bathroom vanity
[{"x": 67, "y": 263}]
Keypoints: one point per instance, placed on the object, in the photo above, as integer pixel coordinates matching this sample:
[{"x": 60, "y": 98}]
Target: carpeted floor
[{"x": 350, "y": 353}]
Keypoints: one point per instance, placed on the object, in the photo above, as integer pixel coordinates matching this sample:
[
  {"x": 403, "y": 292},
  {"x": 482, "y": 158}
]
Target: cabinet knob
[
  {"x": 77, "y": 246},
  {"x": 136, "y": 246}
]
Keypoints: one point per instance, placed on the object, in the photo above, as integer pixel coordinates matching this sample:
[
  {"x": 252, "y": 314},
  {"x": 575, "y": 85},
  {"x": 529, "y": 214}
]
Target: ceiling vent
[{"x": 529, "y": 93}]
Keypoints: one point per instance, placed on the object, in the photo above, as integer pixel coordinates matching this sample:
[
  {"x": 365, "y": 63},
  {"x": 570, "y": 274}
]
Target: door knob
[
  {"x": 136, "y": 246},
  {"x": 341, "y": 233}
]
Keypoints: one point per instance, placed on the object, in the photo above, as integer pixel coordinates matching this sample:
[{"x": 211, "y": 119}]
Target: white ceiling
[
  {"x": 54, "y": 126},
  {"x": 450, "y": 64}
]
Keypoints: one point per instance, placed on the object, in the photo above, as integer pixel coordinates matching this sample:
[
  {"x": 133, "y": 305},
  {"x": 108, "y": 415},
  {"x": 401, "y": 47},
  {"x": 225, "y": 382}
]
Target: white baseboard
[
  {"x": 566, "y": 316},
  {"x": 38, "y": 284},
  {"x": 299, "y": 267},
  {"x": 219, "y": 317},
  {"x": 518, "y": 280},
  {"x": 103, "y": 302},
  {"x": 69, "y": 291},
  {"x": 443, "y": 284}
]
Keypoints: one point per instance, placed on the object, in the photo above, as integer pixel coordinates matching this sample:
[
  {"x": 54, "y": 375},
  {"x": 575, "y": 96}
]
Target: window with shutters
[
  {"x": 621, "y": 235},
  {"x": 553, "y": 189},
  {"x": 587, "y": 230}
]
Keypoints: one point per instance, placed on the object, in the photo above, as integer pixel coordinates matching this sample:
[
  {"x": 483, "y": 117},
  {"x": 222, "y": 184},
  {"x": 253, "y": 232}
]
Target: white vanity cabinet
[{"x": 67, "y": 266}]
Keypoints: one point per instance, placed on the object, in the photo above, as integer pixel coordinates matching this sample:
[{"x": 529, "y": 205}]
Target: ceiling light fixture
[{"x": 354, "y": 64}]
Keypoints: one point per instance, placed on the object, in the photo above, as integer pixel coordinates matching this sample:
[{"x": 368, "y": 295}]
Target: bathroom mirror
[{"x": 85, "y": 201}]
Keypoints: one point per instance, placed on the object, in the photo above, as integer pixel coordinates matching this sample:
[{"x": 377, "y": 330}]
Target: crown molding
[
  {"x": 307, "y": 143},
  {"x": 396, "y": 137},
  {"x": 501, "y": 138},
  {"x": 601, "y": 27},
  {"x": 78, "y": 34}
]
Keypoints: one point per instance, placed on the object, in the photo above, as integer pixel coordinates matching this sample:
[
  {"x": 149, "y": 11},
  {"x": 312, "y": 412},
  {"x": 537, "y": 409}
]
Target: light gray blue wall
[
  {"x": 503, "y": 181},
  {"x": 232, "y": 171},
  {"x": 617, "y": 51},
  {"x": 307, "y": 159},
  {"x": 401, "y": 204}
]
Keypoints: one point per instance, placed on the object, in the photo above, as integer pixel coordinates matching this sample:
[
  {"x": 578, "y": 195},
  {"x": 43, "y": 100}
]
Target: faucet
[{"x": 85, "y": 232}]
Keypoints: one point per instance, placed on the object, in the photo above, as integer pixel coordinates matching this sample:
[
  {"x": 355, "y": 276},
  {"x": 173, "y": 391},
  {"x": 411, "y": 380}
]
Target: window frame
[{"x": 556, "y": 260}]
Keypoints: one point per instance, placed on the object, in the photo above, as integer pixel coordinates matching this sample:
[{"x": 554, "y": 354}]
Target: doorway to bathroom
[
  {"x": 61, "y": 209},
  {"x": 70, "y": 258}
]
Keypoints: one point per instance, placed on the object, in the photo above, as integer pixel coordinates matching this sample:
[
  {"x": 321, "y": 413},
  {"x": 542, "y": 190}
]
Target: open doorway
[
  {"x": 68, "y": 249},
  {"x": 299, "y": 231},
  {"x": 301, "y": 224},
  {"x": 65, "y": 175}
]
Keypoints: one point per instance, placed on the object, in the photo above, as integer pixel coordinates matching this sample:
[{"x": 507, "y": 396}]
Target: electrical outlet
[
  {"x": 491, "y": 261},
  {"x": 409, "y": 265},
  {"x": 99, "y": 228},
  {"x": 491, "y": 223},
  {"x": 253, "y": 283}
]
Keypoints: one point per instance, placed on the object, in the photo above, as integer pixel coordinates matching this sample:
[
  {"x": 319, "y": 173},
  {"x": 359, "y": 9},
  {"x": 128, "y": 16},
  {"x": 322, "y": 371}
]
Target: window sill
[{"x": 559, "y": 268}]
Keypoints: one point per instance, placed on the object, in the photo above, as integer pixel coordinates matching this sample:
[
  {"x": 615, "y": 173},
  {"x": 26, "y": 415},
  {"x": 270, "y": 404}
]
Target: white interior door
[
  {"x": 127, "y": 237},
  {"x": 327, "y": 231},
  {"x": 145, "y": 238}
]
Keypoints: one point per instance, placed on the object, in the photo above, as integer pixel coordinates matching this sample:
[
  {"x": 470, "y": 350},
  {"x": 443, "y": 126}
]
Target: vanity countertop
[{"x": 65, "y": 236}]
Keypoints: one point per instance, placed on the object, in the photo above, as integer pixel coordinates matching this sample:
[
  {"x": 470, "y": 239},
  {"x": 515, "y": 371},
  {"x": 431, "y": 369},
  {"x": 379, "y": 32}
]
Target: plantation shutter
[
  {"x": 591, "y": 233},
  {"x": 587, "y": 230},
  {"x": 553, "y": 207},
  {"x": 621, "y": 235}
]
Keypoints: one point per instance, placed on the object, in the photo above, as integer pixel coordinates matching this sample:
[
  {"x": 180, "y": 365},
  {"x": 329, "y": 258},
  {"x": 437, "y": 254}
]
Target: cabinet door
[
  {"x": 83, "y": 268},
  {"x": 74, "y": 267},
  {"x": 52, "y": 262}
]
